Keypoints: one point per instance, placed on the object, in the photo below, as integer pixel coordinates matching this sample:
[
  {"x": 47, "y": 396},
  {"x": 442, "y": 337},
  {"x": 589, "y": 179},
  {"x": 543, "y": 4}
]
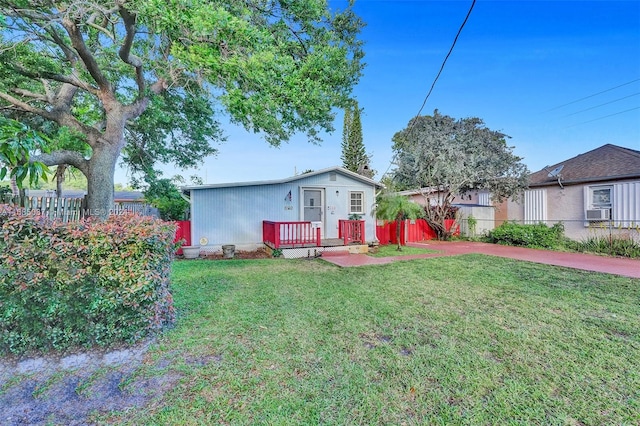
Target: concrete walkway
[{"x": 587, "y": 262}]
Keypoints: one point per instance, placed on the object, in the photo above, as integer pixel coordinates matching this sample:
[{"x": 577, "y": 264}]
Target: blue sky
[{"x": 524, "y": 67}]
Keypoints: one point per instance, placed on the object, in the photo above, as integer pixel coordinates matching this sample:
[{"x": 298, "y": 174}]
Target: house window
[
  {"x": 598, "y": 203},
  {"x": 356, "y": 202},
  {"x": 601, "y": 197}
]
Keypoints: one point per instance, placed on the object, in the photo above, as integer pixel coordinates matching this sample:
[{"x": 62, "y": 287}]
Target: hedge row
[
  {"x": 534, "y": 235},
  {"x": 82, "y": 284}
]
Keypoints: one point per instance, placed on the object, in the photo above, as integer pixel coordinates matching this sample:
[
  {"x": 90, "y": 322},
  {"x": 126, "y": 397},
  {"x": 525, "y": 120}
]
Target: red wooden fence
[{"x": 411, "y": 231}]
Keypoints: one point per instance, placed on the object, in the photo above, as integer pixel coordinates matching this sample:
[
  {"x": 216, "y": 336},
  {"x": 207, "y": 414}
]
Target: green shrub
[
  {"x": 611, "y": 245},
  {"x": 536, "y": 236},
  {"x": 82, "y": 284}
]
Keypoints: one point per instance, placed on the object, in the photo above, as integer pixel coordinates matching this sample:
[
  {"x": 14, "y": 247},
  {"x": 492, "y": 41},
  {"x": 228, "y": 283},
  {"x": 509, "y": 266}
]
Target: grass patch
[
  {"x": 454, "y": 340},
  {"x": 392, "y": 250}
]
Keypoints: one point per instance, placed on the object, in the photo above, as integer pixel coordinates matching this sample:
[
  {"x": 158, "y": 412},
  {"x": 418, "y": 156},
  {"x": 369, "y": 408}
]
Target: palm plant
[{"x": 399, "y": 208}]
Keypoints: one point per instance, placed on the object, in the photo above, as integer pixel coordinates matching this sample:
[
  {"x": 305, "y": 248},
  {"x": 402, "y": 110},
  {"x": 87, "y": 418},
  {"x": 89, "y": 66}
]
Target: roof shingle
[{"x": 609, "y": 162}]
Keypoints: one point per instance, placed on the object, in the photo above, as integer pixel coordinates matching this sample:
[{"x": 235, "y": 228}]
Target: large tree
[
  {"x": 445, "y": 158},
  {"x": 146, "y": 78},
  {"x": 354, "y": 157}
]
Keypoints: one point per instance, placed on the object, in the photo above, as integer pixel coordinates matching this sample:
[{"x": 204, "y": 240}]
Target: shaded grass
[
  {"x": 455, "y": 340},
  {"x": 392, "y": 250}
]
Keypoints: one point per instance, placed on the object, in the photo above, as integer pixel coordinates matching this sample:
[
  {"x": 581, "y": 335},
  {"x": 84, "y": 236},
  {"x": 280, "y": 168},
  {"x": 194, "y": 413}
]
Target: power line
[
  {"x": 598, "y": 106},
  {"x": 606, "y": 116},
  {"x": 591, "y": 96},
  {"x": 455, "y": 40}
]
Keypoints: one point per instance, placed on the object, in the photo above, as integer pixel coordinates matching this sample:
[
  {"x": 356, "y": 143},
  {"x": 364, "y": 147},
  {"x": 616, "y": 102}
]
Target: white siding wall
[
  {"x": 535, "y": 205},
  {"x": 626, "y": 204},
  {"x": 484, "y": 198},
  {"x": 234, "y": 215}
]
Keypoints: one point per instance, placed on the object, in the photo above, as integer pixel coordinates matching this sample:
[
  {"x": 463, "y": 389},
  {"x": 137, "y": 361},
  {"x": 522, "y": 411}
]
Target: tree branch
[
  {"x": 56, "y": 158},
  {"x": 32, "y": 95},
  {"x": 87, "y": 58},
  {"x": 63, "y": 118},
  {"x": 129, "y": 20},
  {"x": 73, "y": 79}
]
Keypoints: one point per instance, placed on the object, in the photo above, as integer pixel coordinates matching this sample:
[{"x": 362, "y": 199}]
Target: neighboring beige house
[
  {"x": 474, "y": 203},
  {"x": 593, "y": 193}
]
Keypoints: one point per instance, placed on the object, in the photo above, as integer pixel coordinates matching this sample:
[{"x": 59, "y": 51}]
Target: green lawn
[
  {"x": 392, "y": 250},
  {"x": 455, "y": 340}
]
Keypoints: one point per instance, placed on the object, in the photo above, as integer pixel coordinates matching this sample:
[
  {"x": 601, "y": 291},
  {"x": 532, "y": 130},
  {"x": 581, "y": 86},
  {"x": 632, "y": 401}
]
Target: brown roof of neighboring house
[{"x": 607, "y": 163}]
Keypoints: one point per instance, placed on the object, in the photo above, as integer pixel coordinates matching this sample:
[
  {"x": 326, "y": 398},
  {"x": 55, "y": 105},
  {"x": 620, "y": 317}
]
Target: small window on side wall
[
  {"x": 356, "y": 202},
  {"x": 598, "y": 204},
  {"x": 601, "y": 197}
]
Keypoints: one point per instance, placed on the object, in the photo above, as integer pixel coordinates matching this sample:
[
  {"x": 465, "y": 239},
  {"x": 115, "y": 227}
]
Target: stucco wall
[
  {"x": 568, "y": 205},
  {"x": 483, "y": 215}
]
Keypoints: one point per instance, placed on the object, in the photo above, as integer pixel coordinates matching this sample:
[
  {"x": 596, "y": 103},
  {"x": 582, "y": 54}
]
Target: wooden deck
[
  {"x": 287, "y": 235},
  {"x": 327, "y": 242}
]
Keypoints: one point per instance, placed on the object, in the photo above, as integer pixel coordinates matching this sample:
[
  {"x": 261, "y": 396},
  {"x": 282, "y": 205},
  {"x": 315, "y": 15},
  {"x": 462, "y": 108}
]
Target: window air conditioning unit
[{"x": 598, "y": 214}]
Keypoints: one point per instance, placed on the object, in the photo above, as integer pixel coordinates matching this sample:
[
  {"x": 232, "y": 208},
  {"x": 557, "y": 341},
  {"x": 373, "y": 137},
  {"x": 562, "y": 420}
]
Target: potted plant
[{"x": 191, "y": 252}]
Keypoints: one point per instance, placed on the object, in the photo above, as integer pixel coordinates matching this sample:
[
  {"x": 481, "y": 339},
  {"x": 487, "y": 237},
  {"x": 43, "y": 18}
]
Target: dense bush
[
  {"x": 536, "y": 236},
  {"x": 82, "y": 284}
]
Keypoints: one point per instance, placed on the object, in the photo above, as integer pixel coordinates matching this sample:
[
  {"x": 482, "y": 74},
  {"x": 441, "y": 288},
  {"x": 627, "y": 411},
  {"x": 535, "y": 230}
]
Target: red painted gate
[{"x": 183, "y": 232}]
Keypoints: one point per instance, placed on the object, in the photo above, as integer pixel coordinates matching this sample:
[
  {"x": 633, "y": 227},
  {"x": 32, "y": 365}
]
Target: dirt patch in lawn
[
  {"x": 254, "y": 254},
  {"x": 73, "y": 388}
]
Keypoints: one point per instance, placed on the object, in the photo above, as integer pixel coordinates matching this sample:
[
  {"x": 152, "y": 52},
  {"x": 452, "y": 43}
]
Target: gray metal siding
[{"x": 234, "y": 215}]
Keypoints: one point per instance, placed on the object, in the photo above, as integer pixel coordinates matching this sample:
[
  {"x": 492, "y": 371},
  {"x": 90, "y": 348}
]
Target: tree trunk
[
  {"x": 399, "y": 231},
  {"x": 14, "y": 187},
  {"x": 100, "y": 181},
  {"x": 59, "y": 179}
]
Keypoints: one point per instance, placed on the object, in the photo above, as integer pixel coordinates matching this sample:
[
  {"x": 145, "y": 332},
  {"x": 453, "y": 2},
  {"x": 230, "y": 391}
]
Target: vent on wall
[{"x": 598, "y": 214}]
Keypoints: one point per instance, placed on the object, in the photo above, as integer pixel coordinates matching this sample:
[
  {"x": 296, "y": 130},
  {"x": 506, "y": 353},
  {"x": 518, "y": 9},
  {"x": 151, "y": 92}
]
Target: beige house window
[{"x": 601, "y": 197}]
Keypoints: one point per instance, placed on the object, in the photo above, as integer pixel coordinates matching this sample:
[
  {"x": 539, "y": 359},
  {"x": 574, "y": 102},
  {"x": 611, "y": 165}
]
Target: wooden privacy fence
[
  {"x": 71, "y": 209},
  {"x": 411, "y": 231},
  {"x": 64, "y": 209}
]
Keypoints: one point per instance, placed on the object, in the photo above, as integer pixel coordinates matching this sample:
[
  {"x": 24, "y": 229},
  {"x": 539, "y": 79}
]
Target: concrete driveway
[{"x": 587, "y": 262}]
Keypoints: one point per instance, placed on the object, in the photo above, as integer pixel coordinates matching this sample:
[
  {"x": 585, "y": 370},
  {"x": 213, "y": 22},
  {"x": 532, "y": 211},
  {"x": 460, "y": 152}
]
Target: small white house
[{"x": 235, "y": 213}]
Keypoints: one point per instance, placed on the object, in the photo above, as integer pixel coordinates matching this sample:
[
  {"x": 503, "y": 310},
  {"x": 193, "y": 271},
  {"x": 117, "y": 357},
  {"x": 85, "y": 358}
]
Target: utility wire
[
  {"x": 606, "y": 116},
  {"x": 598, "y": 106},
  {"x": 591, "y": 96},
  {"x": 455, "y": 40}
]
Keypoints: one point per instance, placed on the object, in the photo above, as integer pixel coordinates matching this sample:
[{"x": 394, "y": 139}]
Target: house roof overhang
[{"x": 341, "y": 170}]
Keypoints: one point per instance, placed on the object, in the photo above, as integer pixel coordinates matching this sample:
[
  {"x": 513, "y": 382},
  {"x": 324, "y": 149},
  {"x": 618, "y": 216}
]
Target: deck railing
[
  {"x": 290, "y": 234},
  {"x": 351, "y": 231}
]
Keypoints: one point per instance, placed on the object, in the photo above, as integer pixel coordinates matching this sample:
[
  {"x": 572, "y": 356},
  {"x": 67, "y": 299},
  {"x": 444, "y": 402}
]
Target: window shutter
[
  {"x": 535, "y": 206},
  {"x": 625, "y": 209}
]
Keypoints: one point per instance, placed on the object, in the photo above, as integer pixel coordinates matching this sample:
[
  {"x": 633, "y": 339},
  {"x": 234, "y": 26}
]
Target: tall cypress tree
[{"x": 354, "y": 157}]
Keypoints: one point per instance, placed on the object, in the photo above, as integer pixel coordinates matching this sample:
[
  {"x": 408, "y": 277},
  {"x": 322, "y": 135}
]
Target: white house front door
[{"x": 312, "y": 208}]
